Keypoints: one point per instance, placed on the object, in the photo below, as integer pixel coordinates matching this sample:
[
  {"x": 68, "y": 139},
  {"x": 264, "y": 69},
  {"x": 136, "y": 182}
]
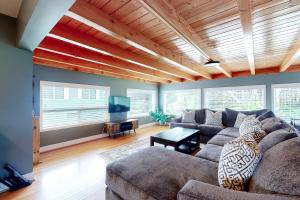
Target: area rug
[
  {"x": 125, "y": 150},
  {"x": 128, "y": 149}
]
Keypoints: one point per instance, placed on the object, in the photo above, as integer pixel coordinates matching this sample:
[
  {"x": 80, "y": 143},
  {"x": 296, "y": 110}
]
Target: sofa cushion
[
  {"x": 184, "y": 125},
  {"x": 210, "y": 152},
  {"x": 220, "y": 140},
  {"x": 279, "y": 169},
  {"x": 188, "y": 116},
  {"x": 213, "y": 118},
  {"x": 238, "y": 161},
  {"x": 271, "y": 124},
  {"x": 157, "y": 173},
  {"x": 209, "y": 130},
  {"x": 274, "y": 138},
  {"x": 200, "y": 116},
  {"x": 231, "y": 115},
  {"x": 230, "y": 131},
  {"x": 266, "y": 115}
]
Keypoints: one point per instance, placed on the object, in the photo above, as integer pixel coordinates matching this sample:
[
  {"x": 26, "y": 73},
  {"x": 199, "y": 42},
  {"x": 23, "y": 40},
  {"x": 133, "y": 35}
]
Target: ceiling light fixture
[{"x": 212, "y": 63}]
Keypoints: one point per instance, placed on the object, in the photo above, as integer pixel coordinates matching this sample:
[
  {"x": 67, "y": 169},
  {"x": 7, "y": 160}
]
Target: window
[
  {"x": 286, "y": 100},
  {"x": 66, "y": 105},
  {"x": 238, "y": 98},
  {"x": 141, "y": 102},
  {"x": 178, "y": 100}
]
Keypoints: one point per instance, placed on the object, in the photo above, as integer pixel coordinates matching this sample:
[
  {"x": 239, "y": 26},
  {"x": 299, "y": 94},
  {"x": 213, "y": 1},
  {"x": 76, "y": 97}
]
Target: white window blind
[
  {"x": 286, "y": 101},
  {"x": 141, "y": 102},
  {"x": 177, "y": 101},
  {"x": 238, "y": 98},
  {"x": 66, "y": 105}
]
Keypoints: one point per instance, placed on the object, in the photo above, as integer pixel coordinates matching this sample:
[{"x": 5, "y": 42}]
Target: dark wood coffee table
[{"x": 179, "y": 138}]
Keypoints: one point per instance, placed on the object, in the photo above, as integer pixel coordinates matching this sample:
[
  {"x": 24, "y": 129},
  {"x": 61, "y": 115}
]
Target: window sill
[{"x": 138, "y": 115}]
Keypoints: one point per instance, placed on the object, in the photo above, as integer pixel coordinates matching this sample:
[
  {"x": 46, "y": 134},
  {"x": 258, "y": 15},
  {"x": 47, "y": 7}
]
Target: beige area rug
[{"x": 128, "y": 149}]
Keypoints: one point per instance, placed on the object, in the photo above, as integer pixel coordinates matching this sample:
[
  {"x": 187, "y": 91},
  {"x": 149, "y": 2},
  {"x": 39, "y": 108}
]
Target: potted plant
[{"x": 160, "y": 117}]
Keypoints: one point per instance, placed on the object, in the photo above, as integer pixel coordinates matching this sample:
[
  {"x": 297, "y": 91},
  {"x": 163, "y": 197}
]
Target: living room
[{"x": 149, "y": 99}]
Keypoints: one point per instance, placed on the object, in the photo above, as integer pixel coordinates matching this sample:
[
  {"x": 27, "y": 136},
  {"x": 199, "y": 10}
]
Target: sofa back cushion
[
  {"x": 274, "y": 138},
  {"x": 279, "y": 169},
  {"x": 200, "y": 116},
  {"x": 231, "y": 115},
  {"x": 271, "y": 124},
  {"x": 266, "y": 115}
]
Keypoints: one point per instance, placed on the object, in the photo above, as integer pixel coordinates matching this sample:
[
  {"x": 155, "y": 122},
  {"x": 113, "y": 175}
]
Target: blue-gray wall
[
  {"x": 15, "y": 100},
  {"x": 267, "y": 80},
  {"x": 117, "y": 88}
]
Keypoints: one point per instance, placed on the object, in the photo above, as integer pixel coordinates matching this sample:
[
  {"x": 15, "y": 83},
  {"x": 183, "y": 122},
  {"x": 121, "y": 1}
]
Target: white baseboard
[
  {"x": 147, "y": 125},
  {"x": 71, "y": 142},
  {"x": 82, "y": 140}
]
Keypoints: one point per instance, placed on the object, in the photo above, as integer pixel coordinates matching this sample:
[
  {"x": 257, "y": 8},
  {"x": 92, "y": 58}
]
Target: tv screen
[{"x": 118, "y": 104}]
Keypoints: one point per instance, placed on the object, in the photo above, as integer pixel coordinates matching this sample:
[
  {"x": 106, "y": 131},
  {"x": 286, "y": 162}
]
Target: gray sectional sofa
[
  {"x": 159, "y": 174},
  {"x": 208, "y": 131}
]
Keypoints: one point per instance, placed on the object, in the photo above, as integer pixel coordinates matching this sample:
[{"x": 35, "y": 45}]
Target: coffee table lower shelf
[{"x": 183, "y": 140}]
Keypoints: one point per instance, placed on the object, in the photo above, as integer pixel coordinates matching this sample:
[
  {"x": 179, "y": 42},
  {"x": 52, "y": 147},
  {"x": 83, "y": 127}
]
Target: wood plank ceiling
[{"x": 166, "y": 41}]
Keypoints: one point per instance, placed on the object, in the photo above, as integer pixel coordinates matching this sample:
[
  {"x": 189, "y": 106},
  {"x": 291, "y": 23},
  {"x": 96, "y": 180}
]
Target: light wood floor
[{"x": 75, "y": 172}]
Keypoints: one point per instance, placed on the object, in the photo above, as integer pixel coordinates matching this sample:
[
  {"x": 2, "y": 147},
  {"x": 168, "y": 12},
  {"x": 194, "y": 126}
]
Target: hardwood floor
[{"x": 75, "y": 172}]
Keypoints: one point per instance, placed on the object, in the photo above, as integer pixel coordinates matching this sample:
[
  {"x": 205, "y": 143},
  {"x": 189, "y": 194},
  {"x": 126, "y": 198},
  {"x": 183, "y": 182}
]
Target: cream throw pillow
[
  {"x": 213, "y": 118},
  {"x": 240, "y": 118}
]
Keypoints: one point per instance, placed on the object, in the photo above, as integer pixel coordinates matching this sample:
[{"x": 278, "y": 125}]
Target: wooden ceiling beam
[
  {"x": 71, "y": 67},
  {"x": 94, "y": 17},
  {"x": 70, "y": 35},
  {"x": 61, "y": 47},
  {"x": 43, "y": 54},
  {"x": 291, "y": 57},
  {"x": 245, "y": 8},
  {"x": 169, "y": 16}
]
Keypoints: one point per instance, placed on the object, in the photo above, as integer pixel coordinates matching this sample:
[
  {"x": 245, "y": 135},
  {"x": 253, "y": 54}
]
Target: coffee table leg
[
  {"x": 176, "y": 148},
  {"x": 151, "y": 141}
]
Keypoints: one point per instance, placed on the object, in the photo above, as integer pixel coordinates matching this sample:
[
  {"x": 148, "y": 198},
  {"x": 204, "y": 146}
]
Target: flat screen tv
[{"x": 118, "y": 104}]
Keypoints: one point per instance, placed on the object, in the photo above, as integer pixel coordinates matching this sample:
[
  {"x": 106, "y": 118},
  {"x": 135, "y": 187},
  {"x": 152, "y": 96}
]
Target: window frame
[
  {"x": 72, "y": 85},
  {"x": 154, "y": 101},
  {"x": 274, "y": 86},
  {"x": 199, "y": 90},
  {"x": 263, "y": 87}
]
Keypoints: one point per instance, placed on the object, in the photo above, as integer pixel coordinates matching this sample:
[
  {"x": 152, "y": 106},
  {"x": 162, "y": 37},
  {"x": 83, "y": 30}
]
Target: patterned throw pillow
[
  {"x": 213, "y": 118},
  {"x": 252, "y": 128},
  {"x": 237, "y": 163},
  {"x": 188, "y": 116},
  {"x": 240, "y": 118}
]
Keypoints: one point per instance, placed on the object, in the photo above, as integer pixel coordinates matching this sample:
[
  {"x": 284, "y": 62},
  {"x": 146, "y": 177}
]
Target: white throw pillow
[
  {"x": 188, "y": 116},
  {"x": 238, "y": 161},
  {"x": 213, "y": 118},
  {"x": 240, "y": 118}
]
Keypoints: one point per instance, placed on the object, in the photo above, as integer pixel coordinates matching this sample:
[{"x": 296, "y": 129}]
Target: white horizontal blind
[
  {"x": 141, "y": 102},
  {"x": 177, "y": 101},
  {"x": 66, "y": 105},
  {"x": 286, "y": 101},
  {"x": 238, "y": 98}
]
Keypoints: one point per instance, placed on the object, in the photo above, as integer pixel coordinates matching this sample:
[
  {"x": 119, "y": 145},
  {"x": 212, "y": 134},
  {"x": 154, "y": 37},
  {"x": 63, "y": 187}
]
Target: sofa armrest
[
  {"x": 196, "y": 190},
  {"x": 177, "y": 120}
]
